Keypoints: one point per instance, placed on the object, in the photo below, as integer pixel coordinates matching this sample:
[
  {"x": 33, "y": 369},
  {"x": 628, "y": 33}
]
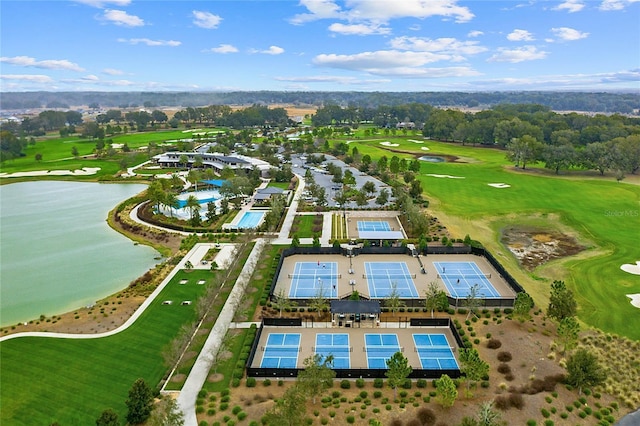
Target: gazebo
[{"x": 348, "y": 313}]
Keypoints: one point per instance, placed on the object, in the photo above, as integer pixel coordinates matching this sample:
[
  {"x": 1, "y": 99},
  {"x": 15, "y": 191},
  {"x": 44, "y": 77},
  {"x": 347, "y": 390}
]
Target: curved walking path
[{"x": 200, "y": 371}]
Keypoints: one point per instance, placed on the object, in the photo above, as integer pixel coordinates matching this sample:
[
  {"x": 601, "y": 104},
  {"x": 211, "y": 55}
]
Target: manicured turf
[
  {"x": 72, "y": 381},
  {"x": 305, "y": 226},
  {"x": 584, "y": 204}
]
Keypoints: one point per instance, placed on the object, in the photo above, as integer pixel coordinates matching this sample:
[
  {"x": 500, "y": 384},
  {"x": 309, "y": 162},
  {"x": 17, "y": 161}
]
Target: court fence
[
  {"x": 501, "y": 302},
  {"x": 352, "y": 373}
]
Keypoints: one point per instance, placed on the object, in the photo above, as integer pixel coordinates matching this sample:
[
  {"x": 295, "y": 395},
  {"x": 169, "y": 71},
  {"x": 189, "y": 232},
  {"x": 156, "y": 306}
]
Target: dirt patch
[
  {"x": 215, "y": 377},
  {"x": 179, "y": 378},
  {"x": 534, "y": 247}
]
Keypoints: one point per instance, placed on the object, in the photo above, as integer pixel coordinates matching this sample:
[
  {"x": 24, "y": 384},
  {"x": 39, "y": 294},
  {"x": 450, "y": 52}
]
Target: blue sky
[{"x": 354, "y": 45}]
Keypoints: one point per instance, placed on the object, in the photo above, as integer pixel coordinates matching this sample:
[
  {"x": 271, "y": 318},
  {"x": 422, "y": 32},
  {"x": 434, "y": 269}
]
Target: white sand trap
[
  {"x": 424, "y": 148},
  {"x": 415, "y": 141},
  {"x": 446, "y": 176},
  {"x": 631, "y": 268},
  {"x": 387, "y": 143},
  {"x": 117, "y": 145},
  {"x": 499, "y": 185},
  {"x": 635, "y": 299},
  {"x": 85, "y": 171}
]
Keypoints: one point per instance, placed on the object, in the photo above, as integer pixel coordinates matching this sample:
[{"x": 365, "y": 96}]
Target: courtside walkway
[{"x": 200, "y": 371}]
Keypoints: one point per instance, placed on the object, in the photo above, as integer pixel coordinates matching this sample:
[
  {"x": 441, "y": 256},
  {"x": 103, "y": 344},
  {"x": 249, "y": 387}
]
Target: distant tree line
[{"x": 560, "y": 101}]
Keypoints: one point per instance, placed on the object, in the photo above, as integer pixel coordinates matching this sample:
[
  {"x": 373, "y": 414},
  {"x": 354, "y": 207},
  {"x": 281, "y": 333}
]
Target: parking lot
[{"x": 324, "y": 179}]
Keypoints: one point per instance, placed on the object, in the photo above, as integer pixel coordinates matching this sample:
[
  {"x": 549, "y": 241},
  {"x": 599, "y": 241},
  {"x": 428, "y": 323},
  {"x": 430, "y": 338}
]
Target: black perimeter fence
[
  {"x": 502, "y": 302},
  {"x": 351, "y": 373}
]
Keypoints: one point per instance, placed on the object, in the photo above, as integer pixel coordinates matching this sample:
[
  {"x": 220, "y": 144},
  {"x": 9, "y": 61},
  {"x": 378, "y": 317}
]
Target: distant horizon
[
  {"x": 623, "y": 90},
  {"x": 320, "y": 45}
]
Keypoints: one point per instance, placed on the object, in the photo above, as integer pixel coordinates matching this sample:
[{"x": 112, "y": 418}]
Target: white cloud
[
  {"x": 475, "y": 33},
  {"x": 30, "y": 78},
  {"x": 102, "y": 3},
  {"x": 122, "y": 18},
  {"x": 149, "y": 42},
  {"x": 570, "y": 6},
  {"x": 568, "y": 34},
  {"x": 223, "y": 48},
  {"x": 520, "y": 35},
  {"x": 112, "y": 71},
  {"x": 206, "y": 19},
  {"x": 615, "y": 4},
  {"x": 272, "y": 50},
  {"x": 359, "y": 29},
  {"x": 525, "y": 53},
  {"x": 449, "y": 46},
  {"x": 51, "y": 64},
  {"x": 393, "y": 63},
  {"x": 332, "y": 79},
  {"x": 381, "y": 11}
]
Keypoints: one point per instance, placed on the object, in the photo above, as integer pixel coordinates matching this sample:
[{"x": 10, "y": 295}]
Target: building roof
[
  {"x": 270, "y": 190},
  {"x": 355, "y": 307},
  {"x": 380, "y": 235}
]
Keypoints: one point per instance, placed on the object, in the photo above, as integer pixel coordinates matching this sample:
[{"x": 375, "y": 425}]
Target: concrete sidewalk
[{"x": 200, "y": 371}]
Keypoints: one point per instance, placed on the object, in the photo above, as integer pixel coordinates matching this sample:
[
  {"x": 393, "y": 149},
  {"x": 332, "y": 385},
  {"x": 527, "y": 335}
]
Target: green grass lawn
[
  {"x": 583, "y": 204},
  {"x": 304, "y": 225},
  {"x": 72, "y": 381}
]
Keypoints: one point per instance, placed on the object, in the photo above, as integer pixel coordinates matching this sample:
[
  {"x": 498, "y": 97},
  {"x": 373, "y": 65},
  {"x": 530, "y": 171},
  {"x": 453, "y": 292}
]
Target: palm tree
[
  {"x": 193, "y": 205},
  {"x": 171, "y": 201}
]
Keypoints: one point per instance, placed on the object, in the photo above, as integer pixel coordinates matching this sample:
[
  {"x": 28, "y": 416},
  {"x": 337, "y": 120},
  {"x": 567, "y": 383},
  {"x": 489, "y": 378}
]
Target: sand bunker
[
  {"x": 415, "y": 141},
  {"x": 386, "y": 143},
  {"x": 446, "y": 176},
  {"x": 631, "y": 268},
  {"x": 499, "y": 185},
  {"x": 424, "y": 148},
  {"x": 635, "y": 299},
  {"x": 85, "y": 171}
]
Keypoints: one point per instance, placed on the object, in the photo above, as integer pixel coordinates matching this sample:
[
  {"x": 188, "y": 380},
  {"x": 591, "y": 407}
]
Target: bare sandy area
[{"x": 85, "y": 171}]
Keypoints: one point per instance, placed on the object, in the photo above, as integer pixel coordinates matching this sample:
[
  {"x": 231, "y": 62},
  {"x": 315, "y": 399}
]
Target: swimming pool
[
  {"x": 203, "y": 197},
  {"x": 250, "y": 219}
]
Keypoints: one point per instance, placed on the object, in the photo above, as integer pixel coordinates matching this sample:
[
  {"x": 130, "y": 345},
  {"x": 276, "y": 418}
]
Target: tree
[
  {"x": 568, "y": 333},
  {"x": 446, "y": 391},
  {"x": 166, "y": 413},
  {"x": 472, "y": 366},
  {"x": 288, "y": 410},
  {"x": 584, "y": 370},
  {"x": 522, "y": 306},
  {"x": 193, "y": 205},
  {"x": 524, "y": 150},
  {"x": 108, "y": 418},
  {"x": 473, "y": 300},
  {"x": 432, "y": 297},
  {"x": 393, "y": 301},
  {"x": 383, "y": 197},
  {"x": 281, "y": 302},
  {"x": 398, "y": 369},
  {"x": 319, "y": 302},
  {"x": 562, "y": 304},
  {"x": 140, "y": 402},
  {"x": 559, "y": 157},
  {"x": 317, "y": 376}
]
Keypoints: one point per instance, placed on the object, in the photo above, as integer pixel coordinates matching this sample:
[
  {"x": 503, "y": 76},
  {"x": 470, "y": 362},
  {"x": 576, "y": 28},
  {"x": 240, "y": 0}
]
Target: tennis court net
[
  {"x": 469, "y": 277},
  {"x": 315, "y": 276},
  {"x": 388, "y": 276}
]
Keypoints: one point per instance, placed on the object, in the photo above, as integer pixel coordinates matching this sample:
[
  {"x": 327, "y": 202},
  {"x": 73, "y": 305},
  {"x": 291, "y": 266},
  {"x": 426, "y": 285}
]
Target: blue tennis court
[
  {"x": 434, "y": 352},
  {"x": 379, "y": 348},
  {"x": 459, "y": 277},
  {"x": 281, "y": 350},
  {"x": 382, "y": 277},
  {"x": 336, "y": 345},
  {"x": 310, "y": 278},
  {"x": 375, "y": 226}
]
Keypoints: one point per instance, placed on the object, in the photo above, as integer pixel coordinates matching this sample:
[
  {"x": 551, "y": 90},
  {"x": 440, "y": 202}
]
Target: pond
[
  {"x": 432, "y": 159},
  {"x": 58, "y": 252}
]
